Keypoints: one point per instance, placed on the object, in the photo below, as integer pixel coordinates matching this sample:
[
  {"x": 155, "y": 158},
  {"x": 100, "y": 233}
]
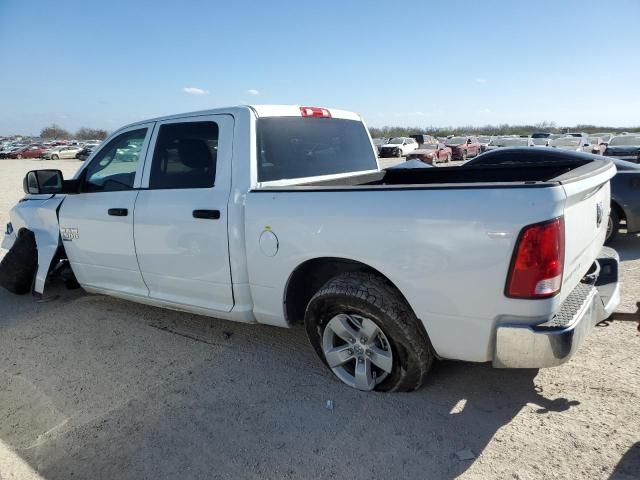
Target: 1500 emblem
[
  {"x": 599, "y": 214},
  {"x": 69, "y": 234}
]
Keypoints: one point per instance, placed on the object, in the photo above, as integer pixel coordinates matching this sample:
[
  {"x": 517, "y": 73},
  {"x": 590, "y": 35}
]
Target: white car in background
[
  {"x": 575, "y": 143},
  {"x": 398, "y": 147},
  {"x": 62, "y": 152},
  {"x": 500, "y": 142}
]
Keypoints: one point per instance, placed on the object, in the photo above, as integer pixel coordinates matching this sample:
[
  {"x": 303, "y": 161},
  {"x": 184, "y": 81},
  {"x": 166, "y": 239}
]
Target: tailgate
[{"x": 586, "y": 215}]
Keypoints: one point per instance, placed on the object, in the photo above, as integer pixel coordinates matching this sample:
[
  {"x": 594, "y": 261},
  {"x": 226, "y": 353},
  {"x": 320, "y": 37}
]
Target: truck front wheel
[
  {"x": 367, "y": 335},
  {"x": 19, "y": 265}
]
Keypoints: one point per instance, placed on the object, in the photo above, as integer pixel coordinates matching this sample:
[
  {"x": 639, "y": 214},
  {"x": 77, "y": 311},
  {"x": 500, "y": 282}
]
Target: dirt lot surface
[{"x": 98, "y": 388}]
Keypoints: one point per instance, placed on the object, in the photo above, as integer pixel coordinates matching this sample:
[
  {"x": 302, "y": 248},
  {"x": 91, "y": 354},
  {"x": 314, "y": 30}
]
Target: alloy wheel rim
[{"x": 357, "y": 351}]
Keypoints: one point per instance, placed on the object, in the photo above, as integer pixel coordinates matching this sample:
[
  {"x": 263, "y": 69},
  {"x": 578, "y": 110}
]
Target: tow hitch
[{"x": 623, "y": 317}]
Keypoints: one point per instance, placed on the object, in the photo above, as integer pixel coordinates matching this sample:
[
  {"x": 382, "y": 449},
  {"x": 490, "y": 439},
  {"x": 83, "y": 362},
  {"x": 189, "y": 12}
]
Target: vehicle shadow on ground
[
  {"x": 629, "y": 465},
  {"x": 94, "y": 387}
]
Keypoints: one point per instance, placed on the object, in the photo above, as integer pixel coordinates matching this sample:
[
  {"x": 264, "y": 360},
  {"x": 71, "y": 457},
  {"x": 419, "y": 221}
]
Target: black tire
[
  {"x": 399, "y": 153},
  {"x": 54, "y": 157},
  {"x": 19, "y": 265},
  {"x": 464, "y": 156},
  {"x": 613, "y": 229},
  {"x": 370, "y": 296},
  {"x": 19, "y": 156}
]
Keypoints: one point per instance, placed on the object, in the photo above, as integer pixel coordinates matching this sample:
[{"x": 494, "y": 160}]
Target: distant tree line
[
  {"x": 504, "y": 128},
  {"x": 56, "y": 132}
]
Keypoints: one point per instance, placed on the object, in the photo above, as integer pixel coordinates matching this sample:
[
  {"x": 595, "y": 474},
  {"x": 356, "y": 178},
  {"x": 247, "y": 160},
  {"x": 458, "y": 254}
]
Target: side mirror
[{"x": 43, "y": 182}]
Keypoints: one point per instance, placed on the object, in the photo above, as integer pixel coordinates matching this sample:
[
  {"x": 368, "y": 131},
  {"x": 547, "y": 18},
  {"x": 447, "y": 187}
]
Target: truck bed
[{"x": 533, "y": 174}]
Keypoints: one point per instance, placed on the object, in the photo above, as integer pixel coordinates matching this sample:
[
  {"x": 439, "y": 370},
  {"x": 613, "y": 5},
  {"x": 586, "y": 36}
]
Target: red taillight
[
  {"x": 538, "y": 261},
  {"x": 315, "y": 112}
]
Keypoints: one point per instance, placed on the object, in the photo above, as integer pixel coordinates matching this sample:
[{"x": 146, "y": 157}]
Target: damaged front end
[{"x": 34, "y": 244}]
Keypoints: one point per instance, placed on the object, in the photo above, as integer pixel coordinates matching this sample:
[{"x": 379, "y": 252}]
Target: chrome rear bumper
[{"x": 554, "y": 342}]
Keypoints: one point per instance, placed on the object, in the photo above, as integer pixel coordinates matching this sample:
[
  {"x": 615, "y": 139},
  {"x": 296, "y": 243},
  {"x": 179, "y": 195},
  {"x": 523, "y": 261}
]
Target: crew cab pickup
[{"x": 281, "y": 215}]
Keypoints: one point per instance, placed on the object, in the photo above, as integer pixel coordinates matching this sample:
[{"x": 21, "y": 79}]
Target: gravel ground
[{"x": 94, "y": 387}]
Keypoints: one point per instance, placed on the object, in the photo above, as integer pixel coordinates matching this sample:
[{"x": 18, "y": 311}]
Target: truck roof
[{"x": 258, "y": 110}]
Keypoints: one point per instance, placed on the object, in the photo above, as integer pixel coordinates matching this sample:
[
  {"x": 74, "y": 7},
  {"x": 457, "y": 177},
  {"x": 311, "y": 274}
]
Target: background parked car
[
  {"x": 464, "y": 147},
  {"x": 484, "y": 142},
  {"x": 4, "y": 153},
  {"x": 424, "y": 139},
  {"x": 606, "y": 137},
  {"x": 625, "y": 147},
  {"x": 398, "y": 147},
  {"x": 61, "y": 152},
  {"x": 500, "y": 142},
  {"x": 431, "y": 153},
  {"x": 597, "y": 145},
  {"x": 85, "y": 152},
  {"x": 575, "y": 143},
  {"x": 541, "y": 139},
  {"x": 379, "y": 142},
  {"x": 30, "y": 151},
  {"x": 10, "y": 149}
]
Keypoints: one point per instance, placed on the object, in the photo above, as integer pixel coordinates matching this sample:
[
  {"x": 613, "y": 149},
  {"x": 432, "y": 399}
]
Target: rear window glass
[{"x": 297, "y": 147}]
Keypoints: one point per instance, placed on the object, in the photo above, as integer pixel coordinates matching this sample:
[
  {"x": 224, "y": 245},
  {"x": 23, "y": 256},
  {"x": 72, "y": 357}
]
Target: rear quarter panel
[{"x": 447, "y": 250}]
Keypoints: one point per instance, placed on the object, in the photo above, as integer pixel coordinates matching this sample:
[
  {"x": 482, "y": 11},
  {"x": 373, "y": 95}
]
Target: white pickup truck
[{"x": 280, "y": 215}]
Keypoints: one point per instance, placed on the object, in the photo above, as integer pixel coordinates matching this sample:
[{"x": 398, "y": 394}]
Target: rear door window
[{"x": 185, "y": 156}]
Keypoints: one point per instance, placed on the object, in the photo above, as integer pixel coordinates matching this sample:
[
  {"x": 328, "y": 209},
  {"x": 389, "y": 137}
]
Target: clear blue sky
[{"x": 107, "y": 63}]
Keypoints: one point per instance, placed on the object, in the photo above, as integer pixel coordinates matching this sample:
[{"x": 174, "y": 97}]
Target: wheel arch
[{"x": 309, "y": 276}]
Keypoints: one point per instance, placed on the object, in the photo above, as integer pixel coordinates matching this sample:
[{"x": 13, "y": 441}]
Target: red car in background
[
  {"x": 431, "y": 153},
  {"x": 464, "y": 147},
  {"x": 30, "y": 151}
]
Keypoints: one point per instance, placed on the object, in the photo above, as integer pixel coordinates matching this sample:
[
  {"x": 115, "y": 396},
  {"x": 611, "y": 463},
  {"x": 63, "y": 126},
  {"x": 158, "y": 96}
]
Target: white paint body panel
[
  {"x": 182, "y": 259},
  {"x": 40, "y": 216},
  {"x": 447, "y": 249},
  {"x": 434, "y": 245},
  {"x": 103, "y": 255}
]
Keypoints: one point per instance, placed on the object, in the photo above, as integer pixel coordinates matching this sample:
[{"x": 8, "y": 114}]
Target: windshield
[
  {"x": 396, "y": 141},
  {"x": 628, "y": 140},
  {"x": 378, "y": 141},
  {"x": 297, "y": 147},
  {"x": 456, "y": 140},
  {"x": 428, "y": 146},
  {"x": 540, "y": 135},
  {"x": 566, "y": 142}
]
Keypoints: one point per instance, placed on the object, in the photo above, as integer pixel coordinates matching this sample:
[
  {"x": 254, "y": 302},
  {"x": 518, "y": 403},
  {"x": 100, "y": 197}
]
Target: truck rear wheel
[
  {"x": 367, "y": 335},
  {"x": 613, "y": 227},
  {"x": 19, "y": 265}
]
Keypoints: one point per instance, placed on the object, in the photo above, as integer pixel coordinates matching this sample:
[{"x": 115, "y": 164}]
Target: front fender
[{"x": 40, "y": 215}]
